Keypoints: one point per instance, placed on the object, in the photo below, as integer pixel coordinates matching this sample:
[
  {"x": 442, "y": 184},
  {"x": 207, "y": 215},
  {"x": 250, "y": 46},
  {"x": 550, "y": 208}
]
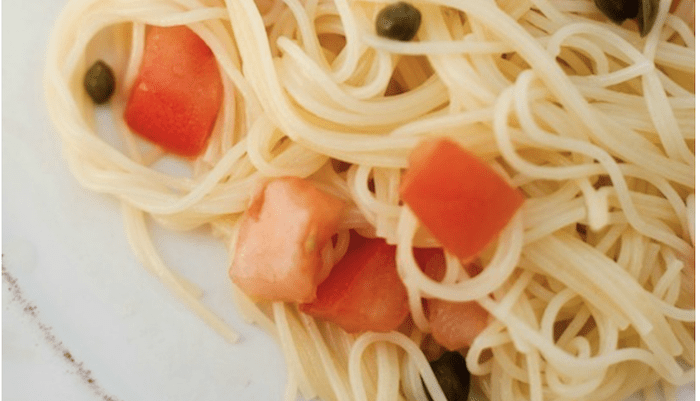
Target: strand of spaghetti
[
  {"x": 260, "y": 141},
  {"x": 387, "y": 371},
  {"x": 138, "y": 238},
  {"x": 250, "y": 311},
  {"x": 656, "y": 99},
  {"x": 490, "y": 15},
  {"x": 467, "y": 45},
  {"x": 299, "y": 85},
  {"x": 340, "y": 388},
  {"x": 573, "y": 327},
  {"x": 596, "y": 204},
  {"x": 327, "y": 116},
  {"x": 645, "y": 301},
  {"x": 532, "y": 359},
  {"x": 353, "y": 46},
  {"x": 405, "y": 263},
  {"x": 577, "y": 146},
  {"x": 309, "y": 37},
  {"x": 410, "y": 380},
  {"x": 614, "y": 78},
  {"x": 673, "y": 270},
  {"x": 531, "y": 128},
  {"x": 138, "y": 40},
  {"x": 291, "y": 388},
  {"x": 147, "y": 254},
  {"x": 576, "y": 212},
  {"x": 588, "y": 287},
  {"x": 493, "y": 275},
  {"x": 162, "y": 17},
  {"x": 368, "y": 199},
  {"x": 683, "y": 30},
  {"x": 412, "y": 351},
  {"x": 550, "y": 313},
  {"x": 453, "y": 69},
  {"x": 289, "y": 350},
  {"x": 562, "y": 360},
  {"x": 687, "y": 339},
  {"x": 515, "y": 291},
  {"x": 366, "y": 212},
  {"x": 507, "y": 362},
  {"x": 378, "y": 77},
  {"x": 227, "y": 120},
  {"x": 418, "y": 101},
  {"x": 577, "y": 388},
  {"x": 491, "y": 337}
]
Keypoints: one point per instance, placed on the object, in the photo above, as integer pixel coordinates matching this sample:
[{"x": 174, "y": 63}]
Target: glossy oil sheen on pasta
[{"x": 590, "y": 286}]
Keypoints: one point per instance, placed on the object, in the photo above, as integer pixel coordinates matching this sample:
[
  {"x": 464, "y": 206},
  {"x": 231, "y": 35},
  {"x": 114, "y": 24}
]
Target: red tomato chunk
[
  {"x": 363, "y": 291},
  {"x": 178, "y": 92},
  {"x": 457, "y": 197},
  {"x": 278, "y": 252},
  {"x": 453, "y": 325}
]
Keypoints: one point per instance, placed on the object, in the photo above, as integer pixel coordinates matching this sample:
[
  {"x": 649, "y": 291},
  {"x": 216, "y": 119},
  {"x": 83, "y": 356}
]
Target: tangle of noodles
[{"x": 590, "y": 286}]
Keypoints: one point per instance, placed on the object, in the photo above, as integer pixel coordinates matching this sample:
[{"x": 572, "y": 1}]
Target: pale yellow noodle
[{"x": 590, "y": 286}]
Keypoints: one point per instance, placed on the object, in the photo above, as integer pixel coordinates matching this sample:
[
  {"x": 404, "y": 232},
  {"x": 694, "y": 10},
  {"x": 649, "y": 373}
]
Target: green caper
[
  {"x": 452, "y": 375},
  {"x": 99, "y": 82},
  {"x": 618, "y": 10},
  {"x": 399, "y": 21},
  {"x": 647, "y": 15}
]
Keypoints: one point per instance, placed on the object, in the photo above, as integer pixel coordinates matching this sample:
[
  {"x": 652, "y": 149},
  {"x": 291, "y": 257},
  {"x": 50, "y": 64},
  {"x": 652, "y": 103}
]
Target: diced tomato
[
  {"x": 674, "y": 4},
  {"x": 363, "y": 291},
  {"x": 457, "y": 197},
  {"x": 685, "y": 9},
  {"x": 431, "y": 261},
  {"x": 178, "y": 92},
  {"x": 285, "y": 228},
  {"x": 453, "y": 325}
]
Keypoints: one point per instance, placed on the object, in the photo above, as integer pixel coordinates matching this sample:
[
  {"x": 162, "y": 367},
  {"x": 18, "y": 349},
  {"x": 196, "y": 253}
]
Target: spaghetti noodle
[{"x": 590, "y": 286}]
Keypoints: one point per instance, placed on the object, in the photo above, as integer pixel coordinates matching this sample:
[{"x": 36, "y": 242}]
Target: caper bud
[
  {"x": 647, "y": 15},
  {"x": 618, "y": 10},
  {"x": 452, "y": 375},
  {"x": 399, "y": 21},
  {"x": 99, "y": 82}
]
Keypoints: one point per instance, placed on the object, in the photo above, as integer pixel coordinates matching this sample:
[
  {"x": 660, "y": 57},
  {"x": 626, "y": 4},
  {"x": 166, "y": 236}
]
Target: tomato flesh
[
  {"x": 285, "y": 228},
  {"x": 453, "y": 325},
  {"x": 363, "y": 291},
  {"x": 177, "y": 93},
  {"x": 457, "y": 197}
]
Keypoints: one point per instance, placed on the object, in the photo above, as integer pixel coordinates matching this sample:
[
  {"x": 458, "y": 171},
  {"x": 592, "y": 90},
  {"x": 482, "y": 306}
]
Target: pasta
[{"x": 590, "y": 286}]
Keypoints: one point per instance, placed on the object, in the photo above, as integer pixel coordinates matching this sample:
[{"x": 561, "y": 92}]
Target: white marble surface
[{"x": 83, "y": 320}]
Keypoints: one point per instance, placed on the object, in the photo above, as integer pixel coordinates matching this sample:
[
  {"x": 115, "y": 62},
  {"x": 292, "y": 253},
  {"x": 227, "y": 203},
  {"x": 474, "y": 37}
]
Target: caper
[
  {"x": 646, "y": 15},
  {"x": 452, "y": 375},
  {"x": 619, "y": 10},
  {"x": 99, "y": 82},
  {"x": 399, "y": 21}
]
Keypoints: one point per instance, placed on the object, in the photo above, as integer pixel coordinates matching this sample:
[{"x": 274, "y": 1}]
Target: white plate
[
  {"x": 83, "y": 320},
  {"x": 100, "y": 327}
]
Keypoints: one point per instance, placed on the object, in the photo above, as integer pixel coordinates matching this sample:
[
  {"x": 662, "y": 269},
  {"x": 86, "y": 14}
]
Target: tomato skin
[
  {"x": 457, "y": 197},
  {"x": 363, "y": 291},
  {"x": 178, "y": 92},
  {"x": 278, "y": 250}
]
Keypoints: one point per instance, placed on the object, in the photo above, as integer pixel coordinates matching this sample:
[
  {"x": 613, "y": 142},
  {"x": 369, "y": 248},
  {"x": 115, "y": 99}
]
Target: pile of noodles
[{"x": 590, "y": 286}]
